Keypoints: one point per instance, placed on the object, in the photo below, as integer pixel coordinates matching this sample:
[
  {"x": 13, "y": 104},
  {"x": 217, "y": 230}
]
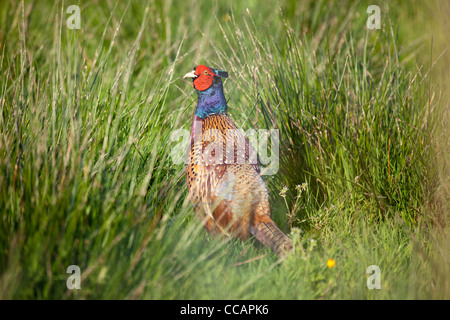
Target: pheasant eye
[{"x": 205, "y": 72}]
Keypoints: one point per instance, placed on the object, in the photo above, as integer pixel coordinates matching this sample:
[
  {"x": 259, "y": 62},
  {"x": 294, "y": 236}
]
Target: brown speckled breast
[{"x": 224, "y": 186}]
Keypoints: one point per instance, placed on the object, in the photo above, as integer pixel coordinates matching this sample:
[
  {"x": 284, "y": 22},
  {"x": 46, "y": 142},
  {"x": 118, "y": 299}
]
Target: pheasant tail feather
[{"x": 271, "y": 236}]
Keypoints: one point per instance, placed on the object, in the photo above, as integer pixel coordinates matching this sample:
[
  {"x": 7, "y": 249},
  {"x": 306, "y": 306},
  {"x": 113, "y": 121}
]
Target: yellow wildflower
[{"x": 331, "y": 263}]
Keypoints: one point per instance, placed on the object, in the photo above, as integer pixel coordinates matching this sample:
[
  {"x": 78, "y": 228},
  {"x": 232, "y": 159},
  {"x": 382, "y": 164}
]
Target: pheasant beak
[{"x": 190, "y": 75}]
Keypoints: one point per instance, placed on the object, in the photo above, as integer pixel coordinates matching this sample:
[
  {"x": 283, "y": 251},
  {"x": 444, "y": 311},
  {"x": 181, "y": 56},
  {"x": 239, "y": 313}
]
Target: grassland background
[{"x": 87, "y": 178}]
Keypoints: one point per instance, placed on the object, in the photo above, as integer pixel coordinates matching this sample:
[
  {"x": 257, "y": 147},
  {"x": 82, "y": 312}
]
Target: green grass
[{"x": 87, "y": 178}]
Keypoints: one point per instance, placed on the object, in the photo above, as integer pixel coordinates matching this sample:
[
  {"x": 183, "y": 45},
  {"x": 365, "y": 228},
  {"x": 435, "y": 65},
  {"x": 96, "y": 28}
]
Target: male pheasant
[{"x": 225, "y": 188}]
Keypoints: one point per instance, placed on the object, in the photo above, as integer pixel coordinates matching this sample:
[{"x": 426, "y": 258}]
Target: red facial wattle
[{"x": 204, "y": 79}]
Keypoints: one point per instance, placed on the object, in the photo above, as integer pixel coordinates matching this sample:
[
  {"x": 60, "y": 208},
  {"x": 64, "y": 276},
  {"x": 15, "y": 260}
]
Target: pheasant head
[{"x": 208, "y": 84}]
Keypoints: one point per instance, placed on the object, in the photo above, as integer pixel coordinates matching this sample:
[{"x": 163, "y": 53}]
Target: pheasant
[{"x": 229, "y": 195}]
